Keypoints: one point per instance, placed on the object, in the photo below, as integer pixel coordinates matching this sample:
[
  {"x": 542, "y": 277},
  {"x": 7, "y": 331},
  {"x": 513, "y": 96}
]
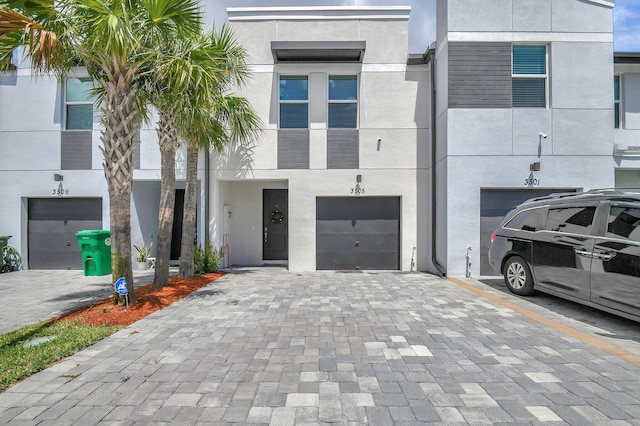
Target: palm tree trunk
[
  {"x": 119, "y": 118},
  {"x": 189, "y": 218},
  {"x": 168, "y": 138}
]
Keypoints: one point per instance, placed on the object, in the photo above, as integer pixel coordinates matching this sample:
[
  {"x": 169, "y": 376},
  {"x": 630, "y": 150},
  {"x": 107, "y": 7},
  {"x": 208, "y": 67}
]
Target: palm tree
[
  {"x": 118, "y": 41},
  {"x": 231, "y": 121},
  {"x": 189, "y": 70},
  {"x": 214, "y": 122}
]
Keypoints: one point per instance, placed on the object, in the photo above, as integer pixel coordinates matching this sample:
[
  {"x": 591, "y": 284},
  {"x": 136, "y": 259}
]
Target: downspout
[
  {"x": 431, "y": 60},
  {"x": 207, "y": 154}
]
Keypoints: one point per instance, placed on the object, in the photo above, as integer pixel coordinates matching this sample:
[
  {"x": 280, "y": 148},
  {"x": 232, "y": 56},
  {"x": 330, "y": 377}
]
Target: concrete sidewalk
[{"x": 268, "y": 346}]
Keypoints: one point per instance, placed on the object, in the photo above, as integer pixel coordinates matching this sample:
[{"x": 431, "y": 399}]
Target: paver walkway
[{"x": 268, "y": 346}]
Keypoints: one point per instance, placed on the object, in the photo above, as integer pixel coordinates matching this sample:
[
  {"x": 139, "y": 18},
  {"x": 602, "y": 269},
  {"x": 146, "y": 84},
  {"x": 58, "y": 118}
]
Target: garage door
[
  {"x": 494, "y": 205},
  {"x": 358, "y": 233},
  {"x": 53, "y": 223}
]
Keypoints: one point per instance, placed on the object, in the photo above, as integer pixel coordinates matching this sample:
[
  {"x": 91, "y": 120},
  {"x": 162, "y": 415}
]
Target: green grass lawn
[{"x": 18, "y": 361}]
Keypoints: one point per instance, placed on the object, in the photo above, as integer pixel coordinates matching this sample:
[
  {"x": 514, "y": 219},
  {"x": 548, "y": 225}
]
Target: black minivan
[{"x": 584, "y": 247}]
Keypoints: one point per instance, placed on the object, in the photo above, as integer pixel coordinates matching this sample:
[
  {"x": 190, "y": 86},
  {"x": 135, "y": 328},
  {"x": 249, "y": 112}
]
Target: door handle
[
  {"x": 265, "y": 234},
  {"x": 603, "y": 255},
  {"x": 582, "y": 252}
]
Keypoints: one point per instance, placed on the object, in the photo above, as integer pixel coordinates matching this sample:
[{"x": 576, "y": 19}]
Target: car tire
[{"x": 517, "y": 276}]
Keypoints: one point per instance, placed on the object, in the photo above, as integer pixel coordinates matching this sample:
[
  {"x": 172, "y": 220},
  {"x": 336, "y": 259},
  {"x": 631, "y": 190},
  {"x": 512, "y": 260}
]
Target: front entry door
[{"x": 275, "y": 236}]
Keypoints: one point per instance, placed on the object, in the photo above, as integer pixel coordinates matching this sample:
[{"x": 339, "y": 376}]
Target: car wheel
[{"x": 517, "y": 276}]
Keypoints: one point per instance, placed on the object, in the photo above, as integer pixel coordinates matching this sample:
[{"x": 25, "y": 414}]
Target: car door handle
[
  {"x": 603, "y": 255},
  {"x": 582, "y": 252}
]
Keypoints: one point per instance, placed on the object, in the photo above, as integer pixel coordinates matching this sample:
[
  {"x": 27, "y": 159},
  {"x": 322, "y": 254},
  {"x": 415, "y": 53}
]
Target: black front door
[
  {"x": 176, "y": 232},
  {"x": 275, "y": 236}
]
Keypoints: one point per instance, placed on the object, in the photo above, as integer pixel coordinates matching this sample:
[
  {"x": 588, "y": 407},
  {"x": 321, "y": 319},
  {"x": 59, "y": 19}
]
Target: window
[
  {"x": 294, "y": 102},
  {"x": 617, "y": 103},
  {"x": 573, "y": 220},
  {"x": 624, "y": 222},
  {"x": 529, "y": 76},
  {"x": 343, "y": 102},
  {"x": 78, "y": 104},
  {"x": 526, "y": 220}
]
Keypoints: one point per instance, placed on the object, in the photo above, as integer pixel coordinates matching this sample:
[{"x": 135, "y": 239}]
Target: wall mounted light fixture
[
  {"x": 543, "y": 135},
  {"x": 58, "y": 177},
  {"x": 534, "y": 167}
]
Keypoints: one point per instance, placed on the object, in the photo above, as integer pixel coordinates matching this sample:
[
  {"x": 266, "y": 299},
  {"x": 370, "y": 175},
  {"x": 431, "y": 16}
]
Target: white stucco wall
[
  {"x": 493, "y": 148},
  {"x": 31, "y": 111},
  {"x": 393, "y": 132}
]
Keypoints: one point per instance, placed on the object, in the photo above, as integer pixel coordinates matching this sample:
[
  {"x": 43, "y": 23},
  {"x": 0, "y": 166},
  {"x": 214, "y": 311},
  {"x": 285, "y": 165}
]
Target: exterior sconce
[
  {"x": 358, "y": 178},
  {"x": 534, "y": 167},
  {"x": 543, "y": 135},
  {"x": 58, "y": 177}
]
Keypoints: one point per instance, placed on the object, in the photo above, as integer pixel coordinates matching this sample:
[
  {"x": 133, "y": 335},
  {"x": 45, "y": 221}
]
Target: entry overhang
[{"x": 318, "y": 51}]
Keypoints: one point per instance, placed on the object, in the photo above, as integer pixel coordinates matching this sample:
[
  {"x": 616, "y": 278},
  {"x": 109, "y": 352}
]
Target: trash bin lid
[{"x": 90, "y": 232}]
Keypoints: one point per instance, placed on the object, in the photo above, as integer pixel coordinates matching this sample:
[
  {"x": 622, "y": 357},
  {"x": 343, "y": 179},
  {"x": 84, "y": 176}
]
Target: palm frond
[{"x": 44, "y": 45}]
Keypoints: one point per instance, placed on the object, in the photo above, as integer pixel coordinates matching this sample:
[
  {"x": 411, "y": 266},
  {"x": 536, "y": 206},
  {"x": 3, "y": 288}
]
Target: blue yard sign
[{"x": 121, "y": 286}]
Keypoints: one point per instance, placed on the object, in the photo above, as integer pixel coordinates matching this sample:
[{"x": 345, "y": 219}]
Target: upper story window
[
  {"x": 78, "y": 104},
  {"x": 617, "y": 102},
  {"x": 343, "y": 102},
  {"x": 529, "y": 76},
  {"x": 294, "y": 102}
]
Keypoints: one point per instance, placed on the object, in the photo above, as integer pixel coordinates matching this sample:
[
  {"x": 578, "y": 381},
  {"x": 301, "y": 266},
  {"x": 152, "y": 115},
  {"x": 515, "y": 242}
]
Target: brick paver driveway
[{"x": 267, "y": 346}]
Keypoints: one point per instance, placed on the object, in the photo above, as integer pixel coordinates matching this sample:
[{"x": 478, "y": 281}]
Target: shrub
[{"x": 207, "y": 259}]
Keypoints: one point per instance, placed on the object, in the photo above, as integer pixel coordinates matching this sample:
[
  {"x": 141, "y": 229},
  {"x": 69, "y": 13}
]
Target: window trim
[
  {"x": 617, "y": 103},
  {"x": 68, "y": 103},
  {"x": 294, "y": 101},
  {"x": 544, "y": 76},
  {"x": 344, "y": 101}
]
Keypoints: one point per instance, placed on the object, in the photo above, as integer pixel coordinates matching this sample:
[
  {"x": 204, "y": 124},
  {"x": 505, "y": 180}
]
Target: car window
[
  {"x": 624, "y": 222},
  {"x": 526, "y": 220},
  {"x": 574, "y": 220}
]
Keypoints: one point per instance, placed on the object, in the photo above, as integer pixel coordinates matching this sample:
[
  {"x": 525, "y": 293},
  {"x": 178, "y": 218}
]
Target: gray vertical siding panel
[
  {"x": 479, "y": 75},
  {"x": 75, "y": 150},
  {"x": 293, "y": 148},
  {"x": 343, "y": 149}
]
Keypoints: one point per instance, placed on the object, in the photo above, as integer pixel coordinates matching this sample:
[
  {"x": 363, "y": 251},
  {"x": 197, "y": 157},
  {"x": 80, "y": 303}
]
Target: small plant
[
  {"x": 142, "y": 252},
  {"x": 207, "y": 259}
]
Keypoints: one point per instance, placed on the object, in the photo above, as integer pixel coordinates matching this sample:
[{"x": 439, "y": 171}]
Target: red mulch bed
[{"x": 149, "y": 301}]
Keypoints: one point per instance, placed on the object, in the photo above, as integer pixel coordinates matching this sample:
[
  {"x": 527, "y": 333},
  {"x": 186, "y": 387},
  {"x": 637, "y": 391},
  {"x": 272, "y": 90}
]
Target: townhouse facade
[{"x": 371, "y": 157}]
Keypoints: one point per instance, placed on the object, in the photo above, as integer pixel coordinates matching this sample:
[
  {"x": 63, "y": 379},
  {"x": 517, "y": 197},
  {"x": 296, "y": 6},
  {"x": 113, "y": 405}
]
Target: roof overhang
[
  {"x": 626, "y": 57},
  {"x": 318, "y": 51},
  {"x": 607, "y": 3}
]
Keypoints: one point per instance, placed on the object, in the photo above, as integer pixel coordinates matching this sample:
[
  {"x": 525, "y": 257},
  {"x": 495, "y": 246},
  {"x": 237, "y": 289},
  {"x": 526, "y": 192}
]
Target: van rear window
[{"x": 526, "y": 220}]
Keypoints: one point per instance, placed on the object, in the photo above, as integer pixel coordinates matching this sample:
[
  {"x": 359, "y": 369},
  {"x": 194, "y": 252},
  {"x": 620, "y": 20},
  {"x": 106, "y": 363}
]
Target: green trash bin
[{"x": 95, "y": 247}]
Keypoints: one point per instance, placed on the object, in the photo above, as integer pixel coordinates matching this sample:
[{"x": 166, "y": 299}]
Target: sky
[{"x": 626, "y": 18}]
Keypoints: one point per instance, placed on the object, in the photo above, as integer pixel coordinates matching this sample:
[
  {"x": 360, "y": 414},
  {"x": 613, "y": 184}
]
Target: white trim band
[{"x": 318, "y": 13}]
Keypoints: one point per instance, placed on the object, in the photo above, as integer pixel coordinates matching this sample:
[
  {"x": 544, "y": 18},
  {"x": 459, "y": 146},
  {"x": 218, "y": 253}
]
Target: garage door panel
[
  {"x": 357, "y": 226},
  {"x": 361, "y": 233},
  {"x": 347, "y": 242},
  {"x": 53, "y": 224}
]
